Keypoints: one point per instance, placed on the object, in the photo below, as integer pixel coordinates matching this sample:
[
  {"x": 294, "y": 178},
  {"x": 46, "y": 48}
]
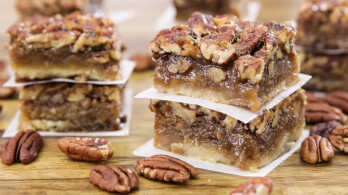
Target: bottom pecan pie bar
[
  {"x": 198, "y": 132},
  {"x": 65, "y": 107}
]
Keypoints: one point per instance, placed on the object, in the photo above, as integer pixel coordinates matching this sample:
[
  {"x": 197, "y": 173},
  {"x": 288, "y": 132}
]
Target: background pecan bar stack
[
  {"x": 75, "y": 46},
  {"x": 322, "y": 35},
  {"x": 232, "y": 62}
]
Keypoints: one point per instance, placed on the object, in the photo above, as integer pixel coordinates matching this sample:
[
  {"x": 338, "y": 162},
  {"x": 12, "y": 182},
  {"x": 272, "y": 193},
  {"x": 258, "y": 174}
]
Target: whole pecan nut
[
  {"x": 312, "y": 98},
  {"x": 86, "y": 149},
  {"x": 258, "y": 186},
  {"x": 322, "y": 112},
  {"x": 165, "y": 168},
  {"x": 114, "y": 178},
  {"x": 23, "y": 147},
  {"x": 338, "y": 99},
  {"x": 339, "y": 138},
  {"x": 325, "y": 129},
  {"x": 143, "y": 62},
  {"x": 316, "y": 149}
]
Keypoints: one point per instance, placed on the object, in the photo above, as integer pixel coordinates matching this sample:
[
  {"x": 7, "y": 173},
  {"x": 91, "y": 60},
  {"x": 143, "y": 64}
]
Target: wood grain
[{"x": 54, "y": 173}]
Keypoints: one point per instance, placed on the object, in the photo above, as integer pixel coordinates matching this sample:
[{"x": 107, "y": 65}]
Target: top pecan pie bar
[
  {"x": 323, "y": 24},
  {"x": 79, "y": 46},
  {"x": 226, "y": 60},
  {"x": 52, "y": 7}
]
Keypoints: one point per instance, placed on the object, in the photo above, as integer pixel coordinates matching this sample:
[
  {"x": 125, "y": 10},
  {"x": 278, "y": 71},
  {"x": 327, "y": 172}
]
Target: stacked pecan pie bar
[
  {"x": 76, "y": 46},
  {"x": 232, "y": 62},
  {"x": 28, "y": 8},
  {"x": 322, "y": 34}
]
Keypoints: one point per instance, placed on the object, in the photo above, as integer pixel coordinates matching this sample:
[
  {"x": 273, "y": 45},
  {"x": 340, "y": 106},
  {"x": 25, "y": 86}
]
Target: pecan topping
[
  {"x": 324, "y": 129},
  {"x": 114, "y": 178},
  {"x": 338, "y": 99},
  {"x": 339, "y": 138},
  {"x": 258, "y": 186},
  {"x": 86, "y": 149},
  {"x": 251, "y": 40},
  {"x": 201, "y": 24},
  {"x": 23, "y": 148},
  {"x": 316, "y": 149},
  {"x": 322, "y": 112},
  {"x": 165, "y": 168},
  {"x": 250, "y": 67}
]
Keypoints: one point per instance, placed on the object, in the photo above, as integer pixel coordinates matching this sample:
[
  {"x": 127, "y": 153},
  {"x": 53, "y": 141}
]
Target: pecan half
[
  {"x": 316, "y": 149},
  {"x": 143, "y": 62},
  {"x": 258, "y": 186},
  {"x": 165, "y": 168},
  {"x": 251, "y": 40},
  {"x": 23, "y": 147},
  {"x": 324, "y": 129},
  {"x": 312, "y": 98},
  {"x": 339, "y": 138},
  {"x": 338, "y": 99},
  {"x": 86, "y": 149},
  {"x": 114, "y": 178},
  {"x": 201, "y": 24},
  {"x": 322, "y": 112}
]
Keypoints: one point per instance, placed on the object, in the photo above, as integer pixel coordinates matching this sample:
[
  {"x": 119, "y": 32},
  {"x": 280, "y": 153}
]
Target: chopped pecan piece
[
  {"x": 338, "y": 99},
  {"x": 258, "y": 186},
  {"x": 250, "y": 68},
  {"x": 165, "y": 168},
  {"x": 339, "y": 138},
  {"x": 324, "y": 129},
  {"x": 322, "y": 112},
  {"x": 114, "y": 178},
  {"x": 316, "y": 149},
  {"x": 86, "y": 149},
  {"x": 23, "y": 147}
]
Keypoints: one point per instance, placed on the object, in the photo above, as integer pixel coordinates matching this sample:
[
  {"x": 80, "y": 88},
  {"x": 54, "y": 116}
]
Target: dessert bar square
[
  {"x": 27, "y": 8},
  {"x": 63, "y": 107},
  {"x": 225, "y": 60},
  {"x": 185, "y": 8},
  {"x": 323, "y": 24},
  {"x": 76, "y": 46},
  {"x": 198, "y": 132},
  {"x": 329, "y": 72}
]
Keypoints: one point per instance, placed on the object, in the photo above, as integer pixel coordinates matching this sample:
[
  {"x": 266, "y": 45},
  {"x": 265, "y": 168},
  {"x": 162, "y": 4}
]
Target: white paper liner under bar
[
  {"x": 12, "y": 129},
  {"x": 239, "y": 113},
  {"x": 148, "y": 150},
  {"x": 126, "y": 68}
]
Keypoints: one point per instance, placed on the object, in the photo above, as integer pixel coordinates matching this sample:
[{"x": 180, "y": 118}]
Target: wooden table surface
[{"x": 54, "y": 173}]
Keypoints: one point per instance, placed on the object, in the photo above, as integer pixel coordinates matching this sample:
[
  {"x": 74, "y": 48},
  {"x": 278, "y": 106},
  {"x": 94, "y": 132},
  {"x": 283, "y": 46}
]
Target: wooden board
[{"x": 54, "y": 173}]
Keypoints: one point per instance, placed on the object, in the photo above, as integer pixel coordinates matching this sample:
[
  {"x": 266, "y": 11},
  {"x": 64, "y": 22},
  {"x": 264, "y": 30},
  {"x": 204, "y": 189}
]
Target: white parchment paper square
[
  {"x": 242, "y": 114},
  {"x": 126, "y": 68},
  {"x": 12, "y": 129},
  {"x": 148, "y": 150}
]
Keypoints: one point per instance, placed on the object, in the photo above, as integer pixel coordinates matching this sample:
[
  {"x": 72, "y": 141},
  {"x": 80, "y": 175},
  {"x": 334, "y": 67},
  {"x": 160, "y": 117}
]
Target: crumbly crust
[
  {"x": 329, "y": 72},
  {"x": 323, "y": 24},
  {"x": 185, "y": 8},
  {"x": 187, "y": 129},
  {"x": 70, "y": 107},
  {"x": 28, "y": 8}
]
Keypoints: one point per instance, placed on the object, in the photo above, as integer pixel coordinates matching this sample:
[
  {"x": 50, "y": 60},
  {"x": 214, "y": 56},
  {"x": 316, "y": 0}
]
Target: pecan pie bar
[
  {"x": 198, "y": 132},
  {"x": 74, "y": 46},
  {"x": 225, "y": 60},
  {"x": 184, "y": 8},
  {"x": 65, "y": 107},
  {"x": 323, "y": 24},
  {"x": 27, "y": 8},
  {"x": 329, "y": 72}
]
